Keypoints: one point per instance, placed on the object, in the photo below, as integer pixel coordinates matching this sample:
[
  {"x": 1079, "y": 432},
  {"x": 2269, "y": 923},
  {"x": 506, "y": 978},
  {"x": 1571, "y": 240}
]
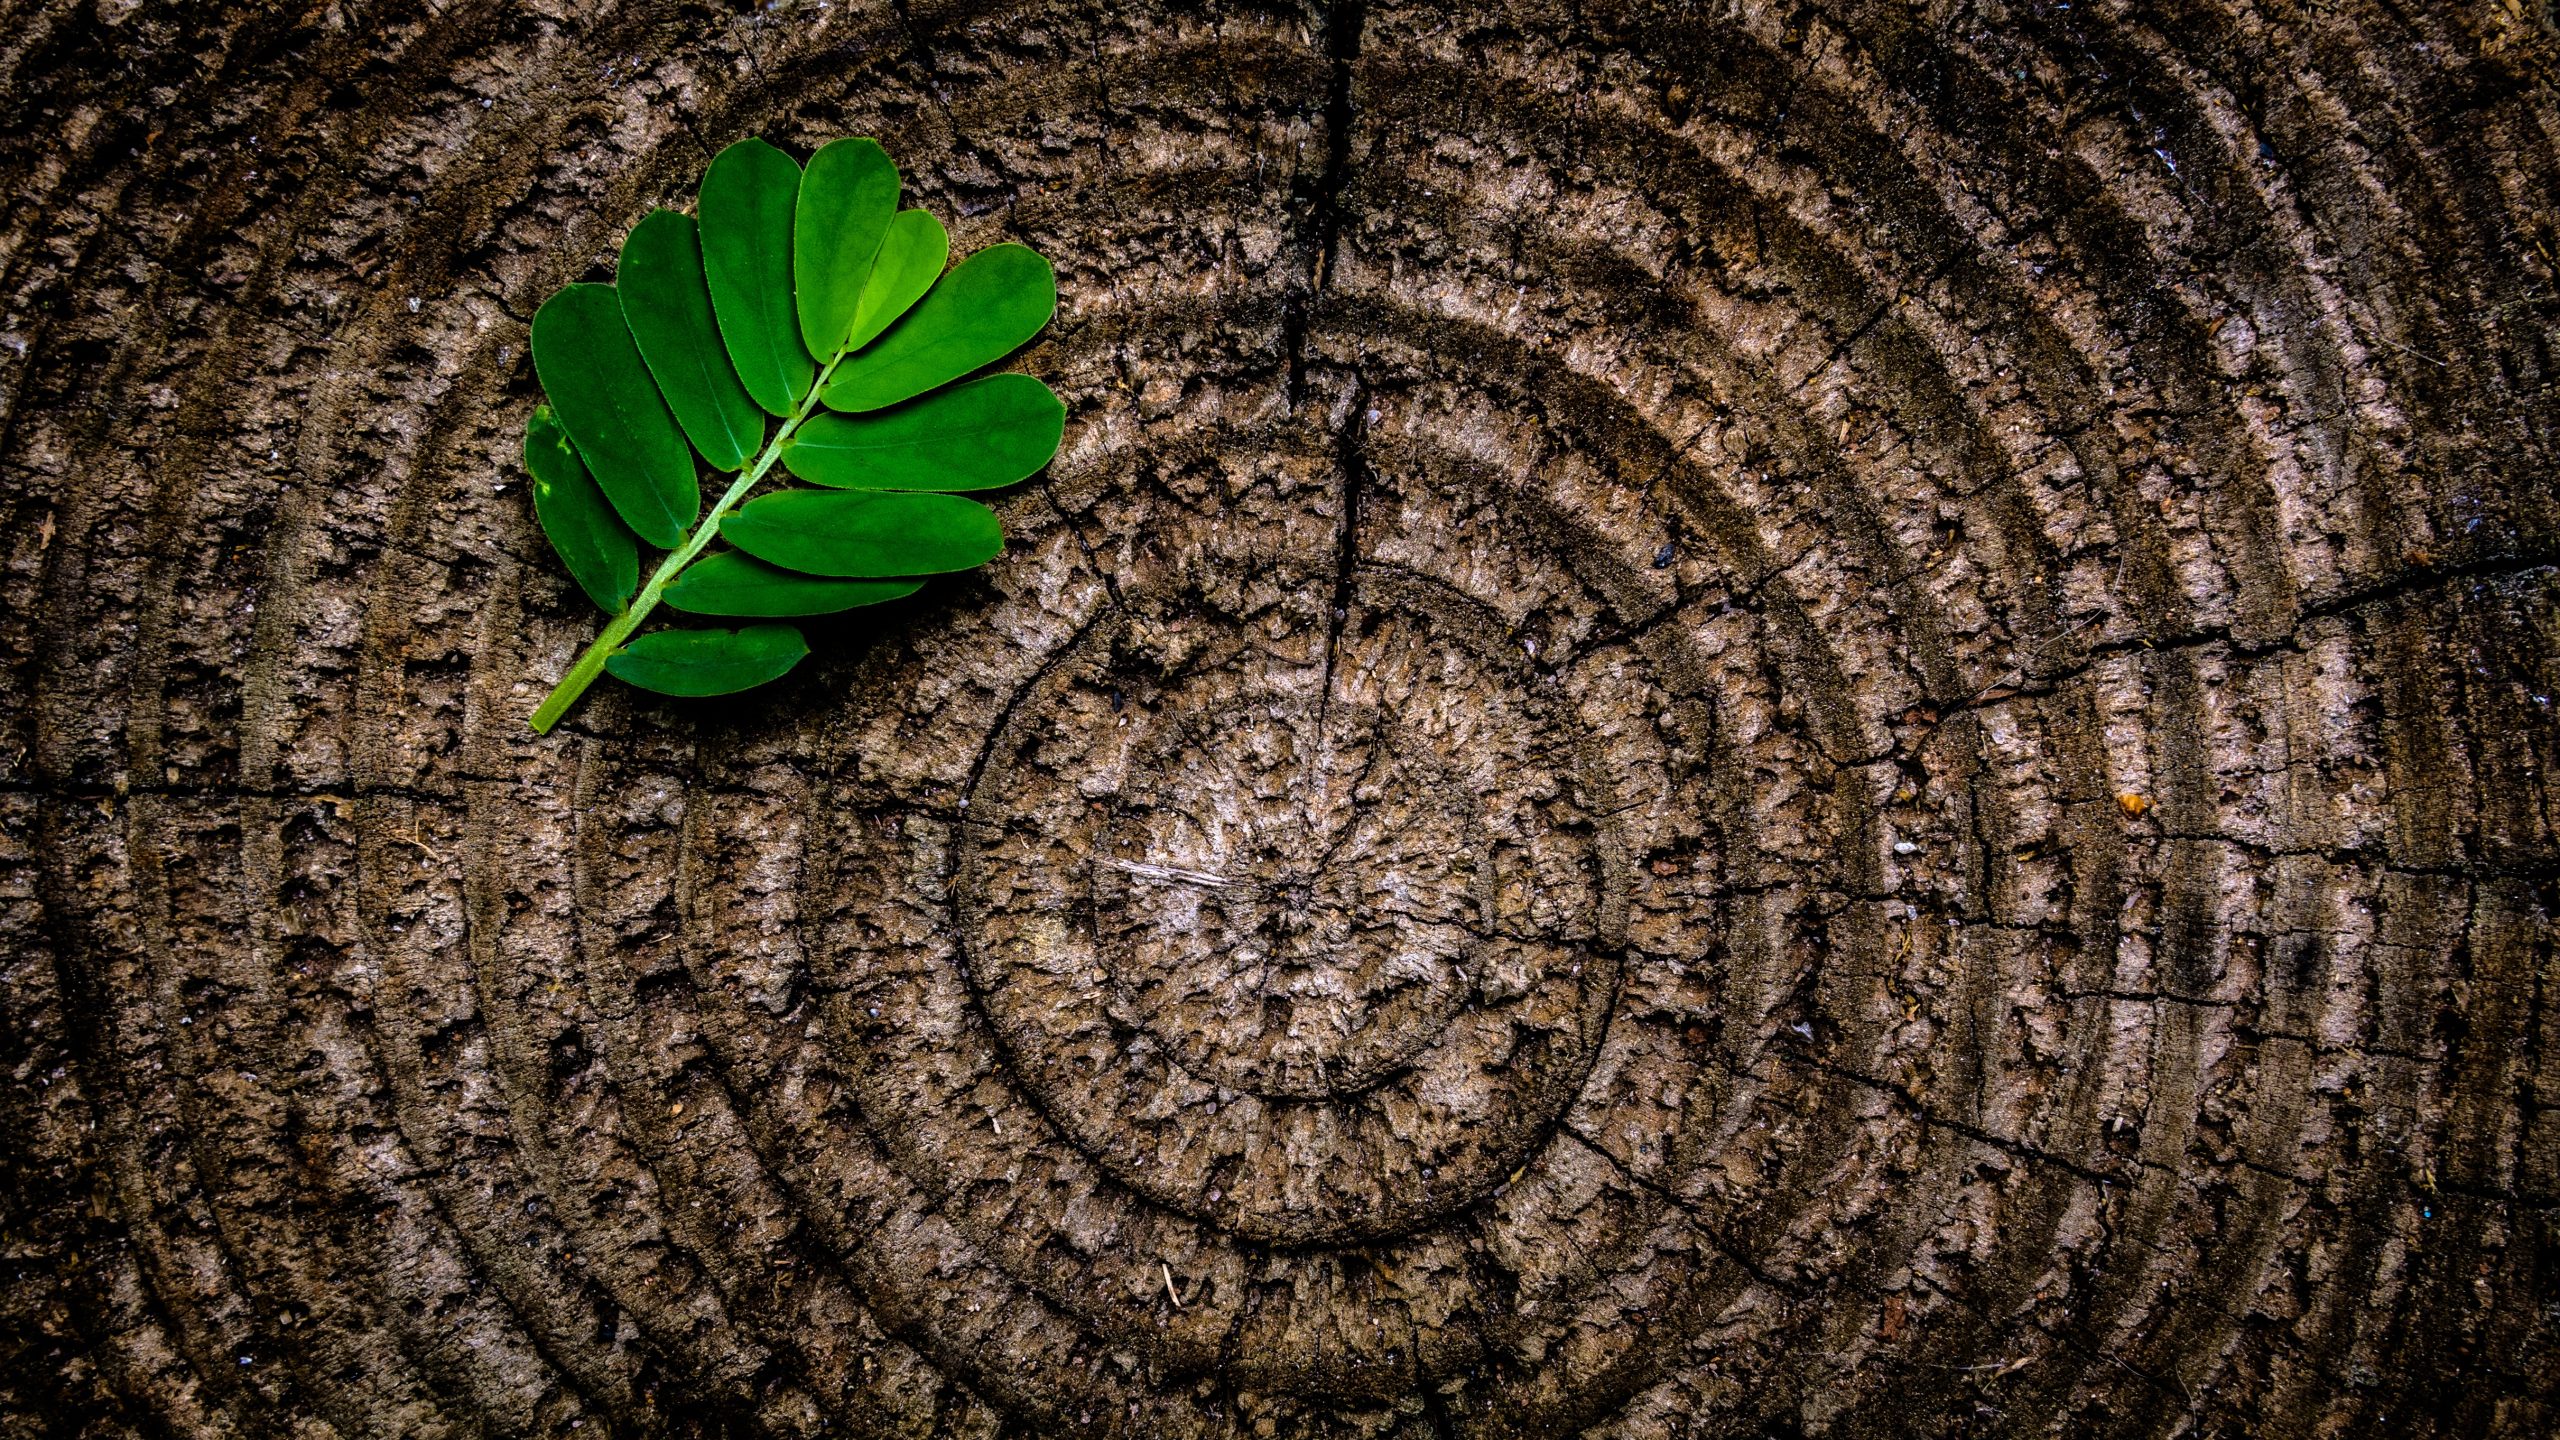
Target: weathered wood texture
[{"x": 1726, "y": 720}]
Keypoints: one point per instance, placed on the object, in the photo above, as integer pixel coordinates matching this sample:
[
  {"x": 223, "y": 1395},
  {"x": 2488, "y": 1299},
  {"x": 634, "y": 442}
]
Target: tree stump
[{"x": 1726, "y": 720}]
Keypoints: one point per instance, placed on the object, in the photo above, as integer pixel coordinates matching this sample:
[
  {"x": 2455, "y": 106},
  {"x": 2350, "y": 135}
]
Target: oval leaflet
[
  {"x": 602, "y": 391},
  {"x": 708, "y": 662},
  {"x": 729, "y": 583},
  {"x": 667, "y": 305},
  {"x": 860, "y": 533},
  {"x": 591, "y": 540},
  {"x": 976, "y": 436},
  {"x": 981, "y": 312},
  {"x": 748, "y": 197}
]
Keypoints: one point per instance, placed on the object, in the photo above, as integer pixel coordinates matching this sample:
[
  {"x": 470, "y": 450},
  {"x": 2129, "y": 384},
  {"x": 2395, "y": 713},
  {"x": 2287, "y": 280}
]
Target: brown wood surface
[{"x": 1726, "y": 720}]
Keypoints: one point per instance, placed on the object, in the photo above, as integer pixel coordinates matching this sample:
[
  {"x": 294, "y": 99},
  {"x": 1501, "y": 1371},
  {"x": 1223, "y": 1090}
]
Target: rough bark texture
[{"x": 1726, "y": 720}]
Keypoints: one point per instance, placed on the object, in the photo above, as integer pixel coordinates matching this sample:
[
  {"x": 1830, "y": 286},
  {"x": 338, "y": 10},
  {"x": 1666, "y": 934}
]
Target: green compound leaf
[
  {"x": 717, "y": 326},
  {"x": 911, "y": 258},
  {"x": 667, "y": 304},
  {"x": 708, "y": 662},
  {"x": 601, "y": 390},
  {"x": 976, "y": 436},
  {"x": 862, "y": 533},
  {"x": 593, "y": 542},
  {"x": 981, "y": 312},
  {"x": 728, "y": 583},
  {"x": 747, "y": 201},
  {"x": 847, "y": 199}
]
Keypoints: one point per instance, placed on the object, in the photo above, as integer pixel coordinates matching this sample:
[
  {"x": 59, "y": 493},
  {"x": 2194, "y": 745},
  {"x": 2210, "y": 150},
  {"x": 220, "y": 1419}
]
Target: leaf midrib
[{"x": 591, "y": 661}]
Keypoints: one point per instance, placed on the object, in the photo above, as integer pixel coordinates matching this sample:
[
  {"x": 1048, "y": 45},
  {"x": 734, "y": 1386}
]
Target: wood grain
[{"x": 1724, "y": 721}]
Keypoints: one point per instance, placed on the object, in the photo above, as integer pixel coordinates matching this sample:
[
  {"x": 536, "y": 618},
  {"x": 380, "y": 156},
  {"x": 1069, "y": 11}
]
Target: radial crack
[
  {"x": 1343, "y": 23},
  {"x": 1351, "y": 457}
]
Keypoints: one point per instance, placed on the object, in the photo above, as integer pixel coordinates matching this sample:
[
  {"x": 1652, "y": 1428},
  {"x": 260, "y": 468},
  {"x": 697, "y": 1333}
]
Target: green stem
[{"x": 591, "y": 660}]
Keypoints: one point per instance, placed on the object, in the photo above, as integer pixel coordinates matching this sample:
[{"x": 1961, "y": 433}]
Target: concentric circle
[
  {"x": 1315, "y": 917},
  {"x": 1783, "y": 722}
]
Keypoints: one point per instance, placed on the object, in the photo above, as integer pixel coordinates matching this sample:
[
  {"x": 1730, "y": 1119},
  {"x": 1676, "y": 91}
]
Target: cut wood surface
[{"x": 1725, "y": 720}]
